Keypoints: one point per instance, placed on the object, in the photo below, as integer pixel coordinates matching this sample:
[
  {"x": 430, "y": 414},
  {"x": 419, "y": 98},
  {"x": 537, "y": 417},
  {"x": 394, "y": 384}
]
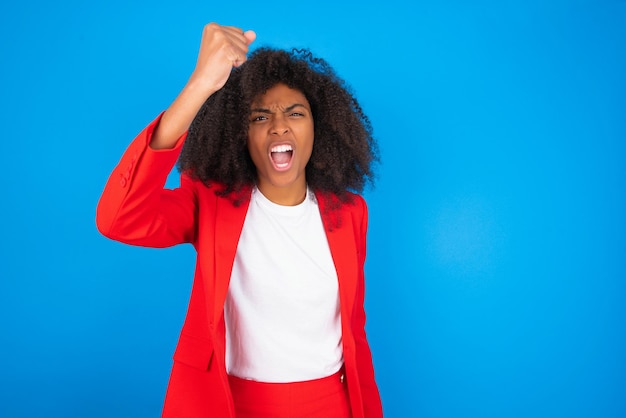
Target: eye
[
  {"x": 296, "y": 114},
  {"x": 258, "y": 118}
]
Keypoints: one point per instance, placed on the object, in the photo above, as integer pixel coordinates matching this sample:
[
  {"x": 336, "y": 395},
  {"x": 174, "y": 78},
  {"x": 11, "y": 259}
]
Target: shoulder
[
  {"x": 336, "y": 209},
  {"x": 215, "y": 190},
  {"x": 346, "y": 201}
]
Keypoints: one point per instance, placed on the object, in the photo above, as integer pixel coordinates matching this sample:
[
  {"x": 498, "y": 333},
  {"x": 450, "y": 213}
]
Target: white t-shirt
[{"x": 282, "y": 310}]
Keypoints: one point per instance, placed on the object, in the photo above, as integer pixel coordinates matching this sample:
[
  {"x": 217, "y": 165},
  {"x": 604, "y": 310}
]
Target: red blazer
[{"x": 136, "y": 209}]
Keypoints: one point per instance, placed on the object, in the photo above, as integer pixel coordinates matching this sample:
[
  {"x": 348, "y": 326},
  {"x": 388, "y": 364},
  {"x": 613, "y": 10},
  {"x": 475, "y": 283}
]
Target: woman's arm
[
  {"x": 372, "y": 406},
  {"x": 134, "y": 207}
]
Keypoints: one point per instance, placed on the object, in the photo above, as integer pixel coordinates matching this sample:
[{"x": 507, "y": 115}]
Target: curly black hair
[{"x": 344, "y": 149}]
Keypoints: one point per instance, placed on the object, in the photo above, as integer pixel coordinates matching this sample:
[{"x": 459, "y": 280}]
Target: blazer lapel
[
  {"x": 343, "y": 249},
  {"x": 229, "y": 221}
]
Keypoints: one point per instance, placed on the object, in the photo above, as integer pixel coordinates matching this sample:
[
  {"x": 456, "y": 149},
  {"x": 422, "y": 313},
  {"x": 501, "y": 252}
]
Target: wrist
[{"x": 200, "y": 87}]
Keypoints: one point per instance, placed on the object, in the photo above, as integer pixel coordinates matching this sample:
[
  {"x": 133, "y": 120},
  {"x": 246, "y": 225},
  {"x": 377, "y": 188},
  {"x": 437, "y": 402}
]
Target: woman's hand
[{"x": 221, "y": 49}]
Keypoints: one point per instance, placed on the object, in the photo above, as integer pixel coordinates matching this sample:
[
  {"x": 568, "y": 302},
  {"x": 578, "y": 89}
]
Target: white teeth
[{"x": 282, "y": 148}]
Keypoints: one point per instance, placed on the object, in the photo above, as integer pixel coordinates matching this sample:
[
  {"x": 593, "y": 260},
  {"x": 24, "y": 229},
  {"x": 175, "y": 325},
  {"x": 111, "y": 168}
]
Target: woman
[{"x": 271, "y": 148}]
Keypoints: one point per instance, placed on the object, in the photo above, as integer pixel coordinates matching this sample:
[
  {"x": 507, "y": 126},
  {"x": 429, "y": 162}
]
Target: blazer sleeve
[
  {"x": 135, "y": 208},
  {"x": 372, "y": 405}
]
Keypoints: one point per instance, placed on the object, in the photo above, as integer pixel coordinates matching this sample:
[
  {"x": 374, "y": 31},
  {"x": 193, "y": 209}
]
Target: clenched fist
[{"x": 221, "y": 49}]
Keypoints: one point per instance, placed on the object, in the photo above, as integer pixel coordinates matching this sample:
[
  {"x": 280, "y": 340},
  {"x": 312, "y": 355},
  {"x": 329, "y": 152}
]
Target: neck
[{"x": 285, "y": 196}]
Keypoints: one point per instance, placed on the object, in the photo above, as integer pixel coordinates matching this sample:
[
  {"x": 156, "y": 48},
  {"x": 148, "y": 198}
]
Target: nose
[{"x": 279, "y": 126}]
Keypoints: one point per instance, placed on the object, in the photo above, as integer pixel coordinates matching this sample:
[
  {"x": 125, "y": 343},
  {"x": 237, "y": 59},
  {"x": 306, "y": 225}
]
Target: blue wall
[{"x": 497, "y": 246}]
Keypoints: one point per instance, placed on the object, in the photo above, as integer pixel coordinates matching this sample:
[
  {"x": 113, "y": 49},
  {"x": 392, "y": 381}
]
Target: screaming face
[{"x": 280, "y": 142}]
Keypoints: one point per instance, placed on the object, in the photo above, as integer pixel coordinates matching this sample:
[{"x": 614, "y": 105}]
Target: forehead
[{"x": 280, "y": 95}]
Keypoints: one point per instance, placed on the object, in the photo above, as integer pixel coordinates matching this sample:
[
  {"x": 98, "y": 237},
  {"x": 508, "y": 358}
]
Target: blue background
[{"x": 496, "y": 260}]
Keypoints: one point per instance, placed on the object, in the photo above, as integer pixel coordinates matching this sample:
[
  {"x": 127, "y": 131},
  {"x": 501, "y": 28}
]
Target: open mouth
[{"x": 281, "y": 156}]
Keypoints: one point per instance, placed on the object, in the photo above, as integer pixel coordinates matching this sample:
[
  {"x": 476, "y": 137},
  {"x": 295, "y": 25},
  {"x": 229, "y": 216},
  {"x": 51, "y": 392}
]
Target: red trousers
[{"x": 320, "y": 398}]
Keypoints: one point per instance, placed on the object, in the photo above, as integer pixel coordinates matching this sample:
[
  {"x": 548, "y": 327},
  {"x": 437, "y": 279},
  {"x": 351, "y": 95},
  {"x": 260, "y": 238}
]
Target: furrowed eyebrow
[
  {"x": 287, "y": 109},
  {"x": 260, "y": 110},
  {"x": 293, "y": 106}
]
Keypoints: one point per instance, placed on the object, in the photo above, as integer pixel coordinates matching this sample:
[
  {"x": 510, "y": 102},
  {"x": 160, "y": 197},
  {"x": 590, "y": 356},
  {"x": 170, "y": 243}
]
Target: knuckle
[{"x": 211, "y": 28}]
